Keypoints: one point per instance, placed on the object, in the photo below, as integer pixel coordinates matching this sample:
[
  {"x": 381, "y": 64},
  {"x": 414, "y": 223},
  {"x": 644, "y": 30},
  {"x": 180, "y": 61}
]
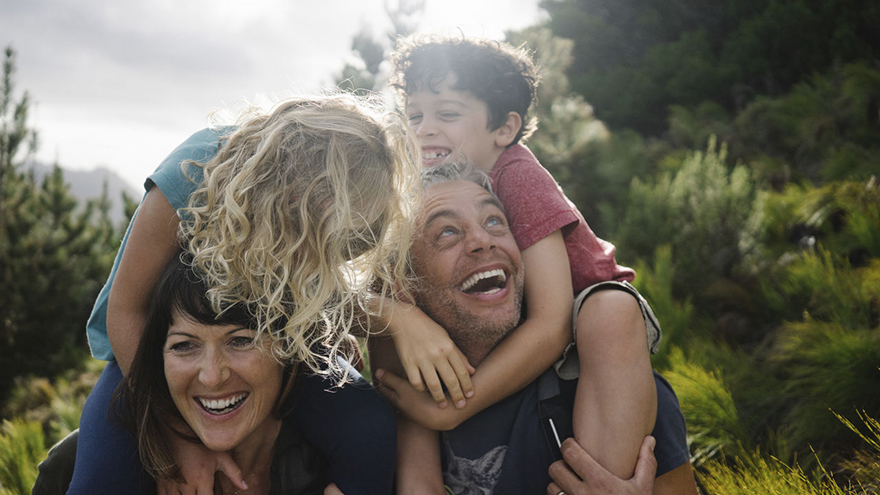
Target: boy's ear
[{"x": 505, "y": 134}]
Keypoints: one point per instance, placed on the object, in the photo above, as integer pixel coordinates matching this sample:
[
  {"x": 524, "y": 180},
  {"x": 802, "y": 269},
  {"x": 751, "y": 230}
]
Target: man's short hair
[
  {"x": 455, "y": 171},
  {"x": 496, "y": 73}
]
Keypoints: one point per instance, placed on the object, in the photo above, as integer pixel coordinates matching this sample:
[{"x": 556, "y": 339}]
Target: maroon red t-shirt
[{"x": 536, "y": 207}]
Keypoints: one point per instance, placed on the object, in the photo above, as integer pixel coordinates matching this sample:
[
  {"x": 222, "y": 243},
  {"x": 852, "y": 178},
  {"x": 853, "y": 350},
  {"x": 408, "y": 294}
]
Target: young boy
[{"x": 469, "y": 99}]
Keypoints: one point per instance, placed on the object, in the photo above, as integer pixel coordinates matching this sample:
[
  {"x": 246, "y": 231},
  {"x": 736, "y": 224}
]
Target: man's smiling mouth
[
  {"x": 222, "y": 406},
  {"x": 488, "y": 282}
]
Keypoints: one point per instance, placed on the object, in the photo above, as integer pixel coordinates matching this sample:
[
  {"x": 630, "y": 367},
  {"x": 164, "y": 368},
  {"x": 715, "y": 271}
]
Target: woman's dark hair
[{"x": 142, "y": 402}]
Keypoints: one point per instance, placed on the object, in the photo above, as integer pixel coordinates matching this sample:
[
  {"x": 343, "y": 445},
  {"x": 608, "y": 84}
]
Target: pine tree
[{"x": 54, "y": 254}]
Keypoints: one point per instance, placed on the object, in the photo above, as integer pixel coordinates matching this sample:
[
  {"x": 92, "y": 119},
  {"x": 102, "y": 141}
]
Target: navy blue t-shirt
[{"x": 508, "y": 447}]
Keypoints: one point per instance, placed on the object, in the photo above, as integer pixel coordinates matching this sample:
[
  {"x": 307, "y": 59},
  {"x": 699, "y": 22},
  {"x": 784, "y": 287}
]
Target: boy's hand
[
  {"x": 418, "y": 406},
  {"x": 426, "y": 351},
  {"x": 198, "y": 465}
]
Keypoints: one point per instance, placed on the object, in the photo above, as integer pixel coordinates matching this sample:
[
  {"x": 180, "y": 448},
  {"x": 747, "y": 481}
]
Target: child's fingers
[
  {"x": 432, "y": 381},
  {"x": 450, "y": 379},
  {"x": 388, "y": 386},
  {"x": 227, "y": 466},
  {"x": 162, "y": 487},
  {"x": 463, "y": 371},
  {"x": 414, "y": 375}
]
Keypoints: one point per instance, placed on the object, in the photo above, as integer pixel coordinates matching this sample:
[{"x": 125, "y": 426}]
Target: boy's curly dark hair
[{"x": 503, "y": 77}]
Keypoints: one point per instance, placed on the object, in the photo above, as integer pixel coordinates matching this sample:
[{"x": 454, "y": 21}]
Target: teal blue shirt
[{"x": 176, "y": 181}]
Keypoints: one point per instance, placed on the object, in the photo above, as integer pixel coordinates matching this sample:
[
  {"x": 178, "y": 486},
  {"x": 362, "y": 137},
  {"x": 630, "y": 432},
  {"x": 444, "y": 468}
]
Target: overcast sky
[{"x": 119, "y": 83}]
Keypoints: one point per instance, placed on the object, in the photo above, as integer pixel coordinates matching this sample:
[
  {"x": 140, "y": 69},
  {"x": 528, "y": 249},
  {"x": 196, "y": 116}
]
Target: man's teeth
[
  {"x": 220, "y": 405},
  {"x": 472, "y": 281}
]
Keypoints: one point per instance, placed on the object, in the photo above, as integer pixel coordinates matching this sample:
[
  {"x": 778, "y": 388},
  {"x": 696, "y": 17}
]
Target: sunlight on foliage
[
  {"x": 826, "y": 288},
  {"x": 827, "y": 366},
  {"x": 22, "y": 447},
  {"x": 675, "y": 317},
  {"x": 700, "y": 210},
  {"x": 713, "y": 421},
  {"x": 753, "y": 473},
  {"x": 865, "y": 464},
  {"x": 56, "y": 405}
]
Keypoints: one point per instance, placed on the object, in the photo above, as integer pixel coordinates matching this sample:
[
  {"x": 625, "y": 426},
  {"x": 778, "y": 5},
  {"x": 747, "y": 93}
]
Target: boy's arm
[{"x": 523, "y": 355}]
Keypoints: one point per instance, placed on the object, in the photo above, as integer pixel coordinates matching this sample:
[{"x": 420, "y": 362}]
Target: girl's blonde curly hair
[{"x": 304, "y": 213}]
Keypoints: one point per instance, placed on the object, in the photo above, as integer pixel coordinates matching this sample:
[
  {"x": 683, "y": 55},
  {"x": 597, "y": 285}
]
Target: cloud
[{"x": 121, "y": 82}]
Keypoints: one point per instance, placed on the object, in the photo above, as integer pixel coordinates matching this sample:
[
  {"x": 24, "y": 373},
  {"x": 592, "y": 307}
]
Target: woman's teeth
[{"x": 223, "y": 405}]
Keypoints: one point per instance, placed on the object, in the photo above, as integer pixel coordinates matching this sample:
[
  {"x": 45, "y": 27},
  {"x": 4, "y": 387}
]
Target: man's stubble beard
[{"x": 474, "y": 336}]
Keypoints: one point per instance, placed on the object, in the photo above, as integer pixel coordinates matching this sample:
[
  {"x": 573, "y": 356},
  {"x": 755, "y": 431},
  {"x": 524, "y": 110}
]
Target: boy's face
[{"x": 453, "y": 125}]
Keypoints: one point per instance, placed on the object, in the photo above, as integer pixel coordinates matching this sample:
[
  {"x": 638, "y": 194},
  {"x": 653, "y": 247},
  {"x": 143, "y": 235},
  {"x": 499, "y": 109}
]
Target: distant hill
[{"x": 88, "y": 184}]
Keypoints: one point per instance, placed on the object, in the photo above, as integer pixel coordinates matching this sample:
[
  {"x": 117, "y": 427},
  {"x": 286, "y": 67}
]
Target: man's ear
[{"x": 505, "y": 134}]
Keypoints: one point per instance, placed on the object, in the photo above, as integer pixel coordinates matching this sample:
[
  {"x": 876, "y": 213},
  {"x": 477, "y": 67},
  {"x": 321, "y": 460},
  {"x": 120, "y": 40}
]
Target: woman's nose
[{"x": 214, "y": 370}]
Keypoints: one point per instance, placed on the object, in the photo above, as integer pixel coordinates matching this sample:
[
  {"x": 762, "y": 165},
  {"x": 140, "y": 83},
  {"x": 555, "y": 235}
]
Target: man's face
[
  {"x": 469, "y": 267},
  {"x": 452, "y": 125}
]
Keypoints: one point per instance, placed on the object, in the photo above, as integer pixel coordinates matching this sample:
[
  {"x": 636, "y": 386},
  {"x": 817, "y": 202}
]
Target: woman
[
  {"x": 212, "y": 379},
  {"x": 280, "y": 212}
]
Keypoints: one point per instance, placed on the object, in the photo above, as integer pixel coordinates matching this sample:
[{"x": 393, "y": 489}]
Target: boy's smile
[{"x": 453, "y": 125}]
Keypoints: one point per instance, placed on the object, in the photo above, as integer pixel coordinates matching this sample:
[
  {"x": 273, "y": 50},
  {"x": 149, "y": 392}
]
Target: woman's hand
[
  {"x": 198, "y": 465},
  {"x": 418, "y": 406},
  {"x": 426, "y": 351}
]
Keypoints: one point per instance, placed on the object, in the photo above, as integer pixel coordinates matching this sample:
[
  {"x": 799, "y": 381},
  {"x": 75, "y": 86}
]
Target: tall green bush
[
  {"x": 700, "y": 211},
  {"x": 712, "y": 417}
]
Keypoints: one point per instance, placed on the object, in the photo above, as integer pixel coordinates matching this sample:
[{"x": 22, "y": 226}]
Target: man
[{"x": 470, "y": 279}]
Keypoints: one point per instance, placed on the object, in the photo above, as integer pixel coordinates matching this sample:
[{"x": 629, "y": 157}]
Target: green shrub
[
  {"x": 676, "y": 318},
  {"x": 826, "y": 367},
  {"x": 22, "y": 447},
  {"x": 700, "y": 211},
  {"x": 708, "y": 407},
  {"x": 755, "y": 472},
  {"x": 56, "y": 405},
  {"x": 865, "y": 463}
]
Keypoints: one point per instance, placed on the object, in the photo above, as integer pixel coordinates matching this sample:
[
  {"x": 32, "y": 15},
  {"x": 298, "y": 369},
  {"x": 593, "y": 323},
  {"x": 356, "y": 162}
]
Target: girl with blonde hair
[{"x": 290, "y": 213}]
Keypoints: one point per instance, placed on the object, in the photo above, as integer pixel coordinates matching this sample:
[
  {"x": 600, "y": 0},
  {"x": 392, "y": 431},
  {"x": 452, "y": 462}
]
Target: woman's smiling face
[{"x": 224, "y": 384}]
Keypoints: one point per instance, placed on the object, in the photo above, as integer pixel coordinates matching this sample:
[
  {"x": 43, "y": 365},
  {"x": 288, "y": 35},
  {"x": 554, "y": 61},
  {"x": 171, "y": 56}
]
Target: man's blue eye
[{"x": 494, "y": 222}]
